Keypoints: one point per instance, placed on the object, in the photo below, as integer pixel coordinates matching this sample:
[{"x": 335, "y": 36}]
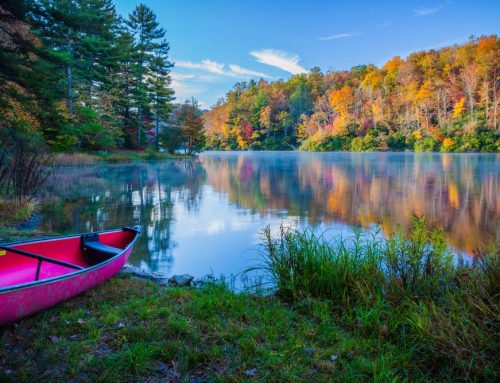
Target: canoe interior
[{"x": 16, "y": 269}]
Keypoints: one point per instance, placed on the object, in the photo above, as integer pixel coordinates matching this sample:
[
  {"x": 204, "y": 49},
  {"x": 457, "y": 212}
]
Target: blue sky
[{"x": 218, "y": 43}]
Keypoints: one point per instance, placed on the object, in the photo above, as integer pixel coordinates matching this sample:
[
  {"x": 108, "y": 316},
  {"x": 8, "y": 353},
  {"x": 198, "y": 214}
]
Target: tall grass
[
  {"x": 408, "y": 287},
  {"x": 73, "y": 159}
]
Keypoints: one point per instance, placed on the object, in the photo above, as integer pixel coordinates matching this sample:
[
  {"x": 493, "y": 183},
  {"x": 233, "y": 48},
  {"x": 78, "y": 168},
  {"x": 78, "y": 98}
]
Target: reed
[
  {"x": 407, "y": 287},
  {"x": 74, "y": 159}
]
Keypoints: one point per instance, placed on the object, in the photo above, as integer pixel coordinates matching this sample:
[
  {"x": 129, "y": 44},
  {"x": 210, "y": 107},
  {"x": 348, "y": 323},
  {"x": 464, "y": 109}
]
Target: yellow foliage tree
[
  {"x": 341, "y": 101},
  {"x": 459, "y": 108}
]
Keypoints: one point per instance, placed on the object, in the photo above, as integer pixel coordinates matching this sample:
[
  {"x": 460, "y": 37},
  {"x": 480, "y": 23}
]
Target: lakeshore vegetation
[{"x": 355, "y": 309}]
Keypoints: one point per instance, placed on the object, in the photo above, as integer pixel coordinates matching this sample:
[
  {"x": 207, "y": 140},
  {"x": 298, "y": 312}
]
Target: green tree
[
  {"x": 161, "y": 93},
  {"x": 189, "y": 118},
  {"x": 151, "y": 60},
  {"x": 300, "y": 102}
]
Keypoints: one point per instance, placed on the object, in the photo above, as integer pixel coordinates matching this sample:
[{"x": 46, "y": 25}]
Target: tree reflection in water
[
  {"x": 98, "y": 198},
  {"x": 460, "y": 192},
  {"x": 215, "y": 206}
]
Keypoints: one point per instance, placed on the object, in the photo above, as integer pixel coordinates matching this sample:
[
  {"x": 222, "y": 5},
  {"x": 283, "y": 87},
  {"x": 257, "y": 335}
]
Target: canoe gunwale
[{"x": 136, "y": 229}]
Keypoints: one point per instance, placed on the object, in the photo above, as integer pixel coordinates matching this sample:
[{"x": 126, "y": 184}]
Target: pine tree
[
  {"x": 28, "y": 83},
  {"x": 161, "y": 93},
  {"x": 151, "y": 61}
]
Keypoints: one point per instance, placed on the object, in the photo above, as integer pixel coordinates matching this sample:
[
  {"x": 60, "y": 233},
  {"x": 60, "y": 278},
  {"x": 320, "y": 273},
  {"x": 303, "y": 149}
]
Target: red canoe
[{"x": 38, "y": 274}]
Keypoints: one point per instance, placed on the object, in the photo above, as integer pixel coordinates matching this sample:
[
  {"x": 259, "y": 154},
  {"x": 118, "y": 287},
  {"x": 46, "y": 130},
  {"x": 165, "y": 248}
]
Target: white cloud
[
  {"x": 425, "y": 11},
  {"x": 219, "y": 69},
  {"x": 279, "y": 59},
  {"x": 206, "y": 65},
  {"x": 336, "y": 37},
  {"x": 180, "y": 76},
  {"x": 183, "y": 89},
  {"x": 237, "y": 70}
]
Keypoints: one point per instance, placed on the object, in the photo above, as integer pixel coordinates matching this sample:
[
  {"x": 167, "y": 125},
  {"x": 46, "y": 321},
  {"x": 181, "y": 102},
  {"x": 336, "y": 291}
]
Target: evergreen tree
[
  {"x": 122, "y": 85},
  {"x": 161, "y": 93},
  {"x": 28, "y": 85},
  {"x": 151, "y": 61}
]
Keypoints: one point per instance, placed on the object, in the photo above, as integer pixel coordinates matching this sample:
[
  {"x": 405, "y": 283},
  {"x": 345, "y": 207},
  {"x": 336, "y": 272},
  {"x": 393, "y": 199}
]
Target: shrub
[
  {"x": 357, "y": 144},
  {"x": 396, "y": 141},
  {"x": 23, "y": 157},
  {"x": 448, "y": 145},
  {"x": 427, "y": 144}
]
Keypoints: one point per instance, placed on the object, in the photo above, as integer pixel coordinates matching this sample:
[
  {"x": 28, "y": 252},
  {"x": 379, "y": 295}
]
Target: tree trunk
[
  {"x": 69, "y": 100},
  {"x": 495, "y": 102},
  {"x": 157, "y": 127}
]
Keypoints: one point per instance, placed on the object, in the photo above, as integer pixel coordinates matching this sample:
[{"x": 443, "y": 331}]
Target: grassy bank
[
  {"x": 356, "y": 310},
  {"x": 131, "y": 330},
  {"x": 116, "y": 156},
  {"x": 441, "y": 313}
]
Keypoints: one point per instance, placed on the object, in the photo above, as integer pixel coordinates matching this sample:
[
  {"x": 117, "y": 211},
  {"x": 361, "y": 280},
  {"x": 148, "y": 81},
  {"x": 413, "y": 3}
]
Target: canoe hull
[
  {"x": 30, "y": 300},
  {"x": 23, "y": 301}
]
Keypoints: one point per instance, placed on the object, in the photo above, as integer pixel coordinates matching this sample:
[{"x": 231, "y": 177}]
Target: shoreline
[
  {"x": 332, "y": 316},
  {"x": 111, "y": 157}
]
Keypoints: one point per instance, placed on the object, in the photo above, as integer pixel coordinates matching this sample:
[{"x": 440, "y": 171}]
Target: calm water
[{"x": 205, "y": 216}]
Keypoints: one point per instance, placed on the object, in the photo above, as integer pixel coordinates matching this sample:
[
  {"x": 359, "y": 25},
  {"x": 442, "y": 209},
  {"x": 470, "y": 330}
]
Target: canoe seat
[{"x": 95, "y": 252}]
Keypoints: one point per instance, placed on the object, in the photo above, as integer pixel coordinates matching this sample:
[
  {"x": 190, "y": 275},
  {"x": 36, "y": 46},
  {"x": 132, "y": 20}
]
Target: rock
[
  {"x": 309, "y": 351},
  {"x": 180, "y": 280},
  {"x": 251, "y": 372},
  {"x": 104, "y": 350},
  {"x": 139, "y": 273},
  {"x": 162, "y": 367}
]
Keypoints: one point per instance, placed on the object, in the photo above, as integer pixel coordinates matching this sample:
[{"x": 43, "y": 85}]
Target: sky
[{"x": 215, "y": 44}]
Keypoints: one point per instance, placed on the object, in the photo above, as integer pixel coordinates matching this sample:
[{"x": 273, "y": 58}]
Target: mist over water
[{"x": 205, "y": 216}]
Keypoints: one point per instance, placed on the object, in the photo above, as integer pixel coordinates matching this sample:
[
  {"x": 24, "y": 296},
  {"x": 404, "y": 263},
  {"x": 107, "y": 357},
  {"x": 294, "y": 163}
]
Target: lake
[{"x": 205, "y": 216}]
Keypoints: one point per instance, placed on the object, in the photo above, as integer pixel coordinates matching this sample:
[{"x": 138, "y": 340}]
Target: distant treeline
[
  {"x": 446, "y": 99},
  {"x": 84, "y": 78}
]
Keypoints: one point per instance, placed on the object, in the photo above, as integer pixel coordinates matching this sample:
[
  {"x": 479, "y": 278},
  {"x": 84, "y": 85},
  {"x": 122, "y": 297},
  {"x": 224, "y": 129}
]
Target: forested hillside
[
  {"x": 446, "y": 99},
  {"x": 80, "y": 76}
]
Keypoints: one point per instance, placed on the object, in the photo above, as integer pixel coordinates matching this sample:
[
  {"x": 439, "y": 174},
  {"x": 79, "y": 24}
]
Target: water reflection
[
  {"x": 458, "y": 192},
  {"x": 204, "y": 215}
]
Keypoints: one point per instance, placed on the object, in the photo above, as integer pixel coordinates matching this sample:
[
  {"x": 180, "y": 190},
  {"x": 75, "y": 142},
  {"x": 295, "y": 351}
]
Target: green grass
[
  {"x": 132, "y": 330},
  {"x": 407, "y": 288},
  {"x": 354, "y": 310}
]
